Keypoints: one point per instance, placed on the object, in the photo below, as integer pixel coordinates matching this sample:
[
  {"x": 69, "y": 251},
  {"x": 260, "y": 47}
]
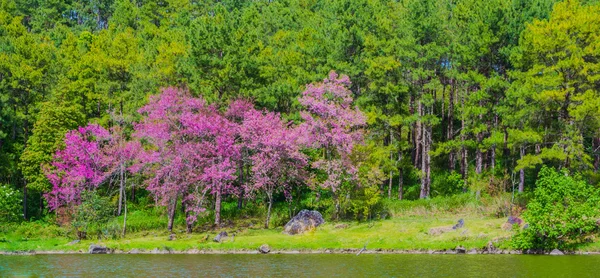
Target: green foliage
[
  {"x": 11, "y": 208},
  {"x": 562, "y": 212},
  {"x": 93, "y": 215},
  {"x": 446, "y": 183},
  {"x": 485, "y": 79},
  {"x": 365, "y": 203}
]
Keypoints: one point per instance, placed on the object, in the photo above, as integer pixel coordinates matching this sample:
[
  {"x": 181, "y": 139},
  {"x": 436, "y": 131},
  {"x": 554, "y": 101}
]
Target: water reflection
[{"x": 300, "y": 265}]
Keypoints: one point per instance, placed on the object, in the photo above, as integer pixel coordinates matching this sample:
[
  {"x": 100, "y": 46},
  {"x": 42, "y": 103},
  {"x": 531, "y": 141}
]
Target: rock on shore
[
  {"x": 305, "y": 220},
  {"x": 97, "y": 249}
]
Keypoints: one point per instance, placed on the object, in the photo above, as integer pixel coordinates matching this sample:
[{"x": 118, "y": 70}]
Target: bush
[
  {"x": 93, "y": 214},
  {"x": 561, "y": 214},
  {"x": 365, "y": 203},
  {"x": 446, "y": 183},
  {"x": 10, "y": 204}
]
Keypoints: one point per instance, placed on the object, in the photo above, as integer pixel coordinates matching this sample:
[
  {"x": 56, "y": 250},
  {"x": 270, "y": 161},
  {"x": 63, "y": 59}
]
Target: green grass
[
  {"x": 398, "y": 233},
  {"x": 405, "y": 227}
]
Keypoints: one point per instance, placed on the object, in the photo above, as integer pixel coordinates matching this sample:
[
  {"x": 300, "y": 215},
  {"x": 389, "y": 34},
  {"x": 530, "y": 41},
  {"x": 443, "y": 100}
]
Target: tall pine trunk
[
  {"x": 419, "y": 137},
  {"x": 522, "y": 171},
  {"x": 425, "y": 157},
  {"x": 400, "y": 184},
  {"x": 450, "y": 130},
  {"x": 391, "y": 172}
]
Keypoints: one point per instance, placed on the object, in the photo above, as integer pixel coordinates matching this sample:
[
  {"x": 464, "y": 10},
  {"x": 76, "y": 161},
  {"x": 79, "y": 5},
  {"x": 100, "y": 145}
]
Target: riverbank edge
[{"x": 158, "y": 251}]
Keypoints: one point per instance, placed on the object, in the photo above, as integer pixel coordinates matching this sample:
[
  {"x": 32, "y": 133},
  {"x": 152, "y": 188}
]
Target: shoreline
[{"x": 158, "y": 251}]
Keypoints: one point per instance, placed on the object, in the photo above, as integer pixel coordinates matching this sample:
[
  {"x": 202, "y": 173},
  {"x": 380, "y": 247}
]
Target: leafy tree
[
  {"x": 48, "y": 134},
  {"x": 556, "y": 87},
  {"x": 561, "y": 214}
]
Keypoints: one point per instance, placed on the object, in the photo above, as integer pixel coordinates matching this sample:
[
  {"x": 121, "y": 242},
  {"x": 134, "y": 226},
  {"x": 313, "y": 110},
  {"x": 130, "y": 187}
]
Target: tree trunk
[
  {"x": 390, "y": 186},
  {"x": 336, "y": 201},
  {"x": 419, "y": 137},
  {"x": 493, "y": 157},
  {"x": 522, "y": 172},
  {"x": 479, "y": 155},
  {"x": 413, "y": 131},
  {"x": 450, "y": 131},
  {"x": 133, "y": 192},
  {"x": 25, "y": 201},
  {"x": 172, "y": 214},
  {"x": 124, "y": 216},
  {"x": 241, "y": 177},
  {"x": 218, "y": 207},
  {"x": 391, "y": 173},
  {"x": 478, "y": 163},
  {"x": 121, "y": 189},
  {"x": 188, "y": 225},
  {"x": 400, "y": 185},
  {"x": 425, "y": 157},
  {"x": 270, "y": 197},
  {"x": 596, "y": 150}
]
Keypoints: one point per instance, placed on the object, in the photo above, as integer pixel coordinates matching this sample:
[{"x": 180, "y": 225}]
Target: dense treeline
[{"x": 460, "y": 95}]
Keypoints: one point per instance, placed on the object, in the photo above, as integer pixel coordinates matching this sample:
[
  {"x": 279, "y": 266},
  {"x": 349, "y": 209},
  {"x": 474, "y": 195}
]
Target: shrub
[
  {"x": 10, "y": 204},
  {"x": 93, "y": 214},
  {"x": 446, "y": 183},
  {"x": 561, "y": 213}
]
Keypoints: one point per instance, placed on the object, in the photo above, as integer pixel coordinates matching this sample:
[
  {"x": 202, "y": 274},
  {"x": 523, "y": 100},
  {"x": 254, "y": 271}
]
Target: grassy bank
[
  {"x": 399, "y": 233},
  {"x": 406, "y": 226}
]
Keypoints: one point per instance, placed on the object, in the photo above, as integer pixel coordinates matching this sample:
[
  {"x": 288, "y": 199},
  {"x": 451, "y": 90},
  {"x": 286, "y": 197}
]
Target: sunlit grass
[{"x": 398, "y": 233}]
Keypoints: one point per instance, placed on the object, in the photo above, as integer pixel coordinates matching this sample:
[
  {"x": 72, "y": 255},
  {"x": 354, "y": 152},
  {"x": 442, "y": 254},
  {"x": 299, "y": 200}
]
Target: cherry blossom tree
[
  {"x": 170, "y": 158},
  {"x": 332, "y": 125},
  {"x": 92, "y": 156},
  {"x": 79, "y": 166},
  {"x": 192, "y": 152},
  {"x": 216, "y": 152},
  {"x": 275, "y": 157}
]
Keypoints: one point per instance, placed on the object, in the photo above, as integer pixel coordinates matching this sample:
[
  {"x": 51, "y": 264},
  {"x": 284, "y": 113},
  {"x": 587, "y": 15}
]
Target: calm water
[{"x": 313, "y": 265}]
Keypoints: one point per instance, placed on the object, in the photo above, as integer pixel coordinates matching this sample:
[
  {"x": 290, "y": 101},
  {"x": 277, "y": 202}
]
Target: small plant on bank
[
  {"x": 10, "y": 204},
  {"x": 561, "y": 214}
]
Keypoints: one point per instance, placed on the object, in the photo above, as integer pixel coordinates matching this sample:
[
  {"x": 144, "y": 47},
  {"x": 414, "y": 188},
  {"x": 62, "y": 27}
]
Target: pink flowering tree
[
  {"x": 276, "y": 161},
  {"x": 79, "y": 166},
  {"x": 191, "y": 152},
  {"x": 216, "y": 153},
  {"x": 332, "y": 125},
  {"x": 170, "y": 159}
]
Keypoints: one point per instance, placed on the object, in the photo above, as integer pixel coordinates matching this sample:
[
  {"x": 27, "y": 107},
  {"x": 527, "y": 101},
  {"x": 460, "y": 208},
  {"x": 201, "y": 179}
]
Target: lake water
[{"x": 301, "y": 265}]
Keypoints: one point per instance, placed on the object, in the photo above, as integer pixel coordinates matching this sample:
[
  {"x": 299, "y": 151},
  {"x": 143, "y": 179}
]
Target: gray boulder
[
  {"x": 305, "y": 220},
  {"x": 556, "y": 252},
  {"x": 97, "y": 249},
  {"x": 264, "y": 249},
  {"x": 220, "y": 236},
  {"x": 460, "y": 250},
  {"x": 460, "y": 224}
]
